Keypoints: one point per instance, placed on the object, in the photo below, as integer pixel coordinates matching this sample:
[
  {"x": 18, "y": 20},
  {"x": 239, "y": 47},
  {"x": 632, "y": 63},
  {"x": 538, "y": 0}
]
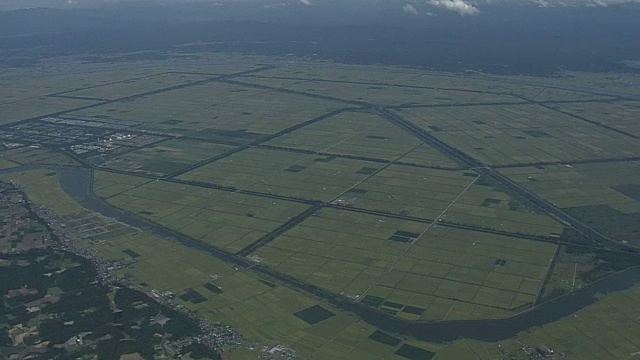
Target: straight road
[{"x": 480, "y": 168}]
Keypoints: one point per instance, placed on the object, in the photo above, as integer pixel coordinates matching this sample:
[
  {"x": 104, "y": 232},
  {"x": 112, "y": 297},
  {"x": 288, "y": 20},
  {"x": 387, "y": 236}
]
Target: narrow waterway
[{"x": 76, "y": 182}]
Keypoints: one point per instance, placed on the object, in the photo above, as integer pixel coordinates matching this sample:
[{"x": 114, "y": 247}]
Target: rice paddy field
[
  {"x": 607, "y": 195},
  {"x": 521, "y": 134},
  {"x": 227, "y": 220},
  {"x": 270, "y": 312},
  {"x": 413, "y": 270},
  {"x": 143, "y": 84},
  {"x": 381, "y": 94},
  {"x": 620, "y": 115},
  {"x": 295, "y": 167},
  {"x": 36, "y": 155},
  {"x": 206, "y": 110},
  {"x": 365, "y": 135},
  {"x": 485, "y": 206},
  {"x": 166, "y": 157},
  {"x": 307, "y": 176}
]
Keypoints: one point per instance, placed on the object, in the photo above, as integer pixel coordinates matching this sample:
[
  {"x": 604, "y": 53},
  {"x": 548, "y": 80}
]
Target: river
[{"x": 77, "y": 183}]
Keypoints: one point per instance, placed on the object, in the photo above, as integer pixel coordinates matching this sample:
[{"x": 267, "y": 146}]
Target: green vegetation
[
  {"x": 305, "y": 176},
  {"x": 216, "y": 106},
  {"x": 497, "y": 135},
  {"x": 33, "y": 155},
  {"x": 620, "y": 115},
  {"x": 129, "y": 87},
  {"x": 447, "y": 274},
  {"x": 43, "y": 188},
  {"x": 301, "y": 169},
  {"x": 603, "y": 195},
  {"x": 53, "y": 308},
  {"x": 166, "y": 157},
  {"x": 362, "y": 135},
  {"x": 263, "y": 310},
  {"x": 227, "y": 220}
]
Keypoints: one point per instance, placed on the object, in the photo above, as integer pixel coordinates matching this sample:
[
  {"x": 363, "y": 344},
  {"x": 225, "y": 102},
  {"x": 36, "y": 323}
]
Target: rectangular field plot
[
  {"x": 621, "y": 115},
  {"x": 166, "y": 157},
  {"x": 460, "y": 274},
  {"x": 486, "y": 207},
  {"x": 24, "y": 91},
  {"x": 226, "y": 220},
  {"x": 520, "y": 134},
  {"x": 285, "y": 173},
  {"x": 135, "y": 86},
  {"x": 486, "y": 90},
  {"x": 606, "y": 195},
  {"x": 406, "y": 190},
  {"x": 382, "y": 94},
  {"x": 341, "y": 72},
  {"x": 107, "y": 184},
  {"x": 207, "y": 111},
  {"x": 339, "y": 250},
  {"x": 365, "y": 135},
  {"x": 482, "y": 275},
  {"x": 425, "y": 155},
  {"x": 36, "y": 155},
  {"x": 33, "y": 107}
]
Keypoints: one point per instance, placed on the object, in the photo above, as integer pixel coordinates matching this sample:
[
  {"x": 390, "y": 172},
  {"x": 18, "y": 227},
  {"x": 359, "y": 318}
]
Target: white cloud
[
  {"x": 306, "y": 2},
  {"x": 542, "y": 3},
  {"x": 410, "y": 9},
  {"x": 460, "y": 6},
  {"x": 581, "y": 3},
  {"x": 274, "y": 6}
]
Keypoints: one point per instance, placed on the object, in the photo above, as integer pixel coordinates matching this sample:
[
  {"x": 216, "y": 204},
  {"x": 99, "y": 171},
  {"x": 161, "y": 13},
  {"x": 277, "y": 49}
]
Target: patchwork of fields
[{"x": 301, "y": 171}]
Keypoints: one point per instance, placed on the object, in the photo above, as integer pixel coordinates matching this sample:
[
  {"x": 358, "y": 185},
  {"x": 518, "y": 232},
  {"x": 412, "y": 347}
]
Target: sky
[{"x": 408, "y": 7}]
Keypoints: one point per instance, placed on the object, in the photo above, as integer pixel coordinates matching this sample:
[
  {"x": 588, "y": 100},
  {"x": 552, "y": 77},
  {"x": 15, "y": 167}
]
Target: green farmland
[{"x": 336, "y": 208}]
